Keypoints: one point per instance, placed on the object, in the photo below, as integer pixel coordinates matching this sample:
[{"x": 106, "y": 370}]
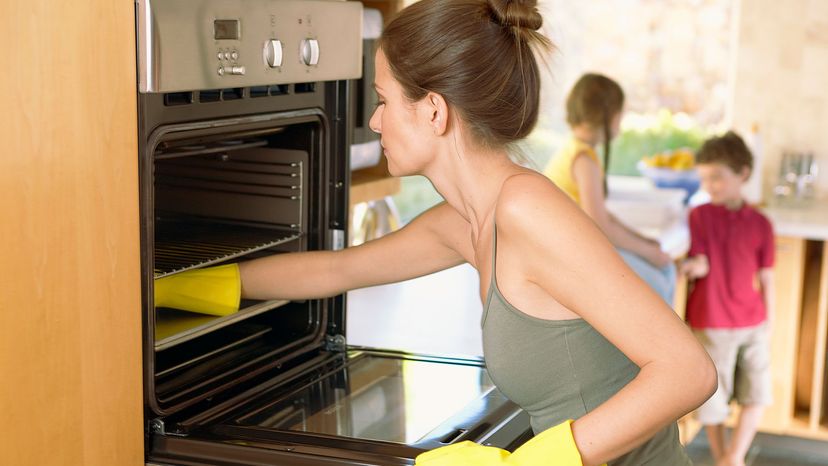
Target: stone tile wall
[{"x": 781, "y": 80}]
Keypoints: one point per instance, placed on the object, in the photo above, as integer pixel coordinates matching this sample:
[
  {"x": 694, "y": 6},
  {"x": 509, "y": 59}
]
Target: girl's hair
[
  {"x": 595, "y": 100},
  {"x": 477, "y": 54},
  {"x": 729, "y": 150}
]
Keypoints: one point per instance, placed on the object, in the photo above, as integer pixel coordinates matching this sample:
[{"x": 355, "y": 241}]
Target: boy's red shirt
[{"x": 737, "y": 244}]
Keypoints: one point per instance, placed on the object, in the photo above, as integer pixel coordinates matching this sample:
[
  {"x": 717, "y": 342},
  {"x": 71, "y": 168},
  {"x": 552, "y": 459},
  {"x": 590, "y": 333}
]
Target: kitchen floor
[{"x": 440, "y": 314}]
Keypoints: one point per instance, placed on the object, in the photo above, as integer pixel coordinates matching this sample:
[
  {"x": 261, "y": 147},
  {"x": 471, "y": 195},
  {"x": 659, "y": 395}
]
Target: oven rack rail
[
  {"x": 181, "y": 245},
  {"x": 173, "y": 327}
]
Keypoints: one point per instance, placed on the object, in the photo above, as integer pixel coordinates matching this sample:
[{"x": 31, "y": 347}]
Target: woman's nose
[{"x": 374, "y": 122}]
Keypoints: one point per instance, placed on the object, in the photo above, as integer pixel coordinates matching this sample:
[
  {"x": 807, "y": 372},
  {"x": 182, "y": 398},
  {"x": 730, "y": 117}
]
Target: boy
[{"x": 731, "y": 250}]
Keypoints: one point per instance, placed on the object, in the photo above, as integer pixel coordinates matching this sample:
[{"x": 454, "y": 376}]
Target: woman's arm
[
  {"x": 565, "y": 254},
  {"x": 431, "y": 242},
  {"x": 588, "y": 177}
]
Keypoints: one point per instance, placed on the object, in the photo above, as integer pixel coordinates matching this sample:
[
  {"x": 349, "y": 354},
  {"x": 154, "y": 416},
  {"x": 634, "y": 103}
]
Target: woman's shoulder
[{"x": 529, "y": 197}]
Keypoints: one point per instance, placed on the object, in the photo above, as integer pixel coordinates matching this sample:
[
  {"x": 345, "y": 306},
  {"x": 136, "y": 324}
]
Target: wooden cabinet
[
  {"x": 788, "y": 276},
  {"x": 70, "y": 310},
  {"x": 799, "y": 344}
]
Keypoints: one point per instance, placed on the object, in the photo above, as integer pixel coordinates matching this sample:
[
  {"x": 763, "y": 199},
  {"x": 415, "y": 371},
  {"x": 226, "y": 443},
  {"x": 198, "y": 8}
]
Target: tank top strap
[{"x": 493, "y": 280}]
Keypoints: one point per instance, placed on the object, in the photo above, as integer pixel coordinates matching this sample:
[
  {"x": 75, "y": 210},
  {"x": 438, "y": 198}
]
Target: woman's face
[{"x": 403, "y": 133}]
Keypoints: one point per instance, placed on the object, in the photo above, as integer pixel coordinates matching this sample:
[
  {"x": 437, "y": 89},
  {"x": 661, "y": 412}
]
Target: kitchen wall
[
  {"x": 671, "y": 54},
  {"x": 781, "y": 71}
]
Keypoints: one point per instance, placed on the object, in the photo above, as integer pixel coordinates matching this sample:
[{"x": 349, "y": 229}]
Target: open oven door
[{"x": 356, "y": 407}]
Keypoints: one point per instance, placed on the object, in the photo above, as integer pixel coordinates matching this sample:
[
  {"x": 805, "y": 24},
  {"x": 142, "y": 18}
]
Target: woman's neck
[{"x": 469, "y": 178}]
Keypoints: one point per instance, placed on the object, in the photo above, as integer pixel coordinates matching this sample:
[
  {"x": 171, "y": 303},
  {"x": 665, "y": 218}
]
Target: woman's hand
[{"x": 552, "y": 447}]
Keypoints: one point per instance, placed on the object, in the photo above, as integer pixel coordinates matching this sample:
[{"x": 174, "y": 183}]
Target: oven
[{"x": 246, "y": 112}]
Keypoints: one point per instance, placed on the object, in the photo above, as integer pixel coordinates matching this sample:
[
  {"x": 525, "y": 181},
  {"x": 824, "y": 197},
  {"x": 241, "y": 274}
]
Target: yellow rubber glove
[
  {"x": 552, "y": 447},
  {"x": 214, "y": 290},
  {"x": 463, "y": 454}
]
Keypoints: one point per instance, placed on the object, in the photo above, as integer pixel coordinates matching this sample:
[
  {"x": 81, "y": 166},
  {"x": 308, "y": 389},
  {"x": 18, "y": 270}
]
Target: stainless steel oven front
[{"x": 245, "y": 119}]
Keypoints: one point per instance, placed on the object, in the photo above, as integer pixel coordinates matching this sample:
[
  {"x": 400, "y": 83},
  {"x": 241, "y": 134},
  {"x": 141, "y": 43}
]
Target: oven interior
[{"x": 214, "y": 197}]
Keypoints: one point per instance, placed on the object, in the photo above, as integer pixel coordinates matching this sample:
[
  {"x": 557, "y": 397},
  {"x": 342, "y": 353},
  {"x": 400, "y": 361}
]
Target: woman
[
  {"x": 569, "y": 332},
  {"x": 593, "y": 112}
]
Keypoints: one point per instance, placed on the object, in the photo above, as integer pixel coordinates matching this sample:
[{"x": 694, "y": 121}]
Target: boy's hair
[{"x": 729, "y": 150}]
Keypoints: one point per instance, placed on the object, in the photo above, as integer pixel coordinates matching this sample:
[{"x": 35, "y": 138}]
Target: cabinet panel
[
  {"x": 788, "y": 276},
  {"x": 819, "y": 409},
  {"x": 70, "y": 316}
]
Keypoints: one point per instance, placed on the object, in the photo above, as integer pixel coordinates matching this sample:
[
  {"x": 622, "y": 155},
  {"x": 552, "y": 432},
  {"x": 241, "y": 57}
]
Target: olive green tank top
[{"x": 562, "y": 369}]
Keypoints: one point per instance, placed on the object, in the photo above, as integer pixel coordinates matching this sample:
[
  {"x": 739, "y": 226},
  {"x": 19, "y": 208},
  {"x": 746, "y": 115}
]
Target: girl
[
  {"x": 569, "y": 332},
  {"x": 593, "y": 111}
]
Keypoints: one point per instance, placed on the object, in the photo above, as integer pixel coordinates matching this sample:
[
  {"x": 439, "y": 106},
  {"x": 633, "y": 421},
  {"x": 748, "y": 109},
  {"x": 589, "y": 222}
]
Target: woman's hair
[
  {"x": 478, "y": 55},
  {"x": 729, "y": 150},
  {"x": 595, "y": 100}
]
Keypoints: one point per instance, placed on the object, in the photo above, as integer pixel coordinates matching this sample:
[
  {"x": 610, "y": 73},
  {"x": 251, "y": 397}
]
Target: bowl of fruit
[{"x": 671, "y": 169}]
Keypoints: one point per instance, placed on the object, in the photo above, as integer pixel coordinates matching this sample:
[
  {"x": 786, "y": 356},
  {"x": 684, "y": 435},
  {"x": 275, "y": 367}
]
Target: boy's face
[{"x": 721, "y": 182}]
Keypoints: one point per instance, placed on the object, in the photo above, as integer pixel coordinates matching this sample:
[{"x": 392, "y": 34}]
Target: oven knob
[
  {"x": 310, "y": 51},
  {"x": 273, "y": 53}
]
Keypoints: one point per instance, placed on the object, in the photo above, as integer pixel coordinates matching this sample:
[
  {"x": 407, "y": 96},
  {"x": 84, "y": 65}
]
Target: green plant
[{"x": 644, "y": 135}]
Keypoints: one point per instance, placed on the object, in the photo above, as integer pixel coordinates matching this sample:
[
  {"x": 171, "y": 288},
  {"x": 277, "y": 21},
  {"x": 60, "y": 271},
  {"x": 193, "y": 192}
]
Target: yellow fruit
[{"x": 679, "y": 159}]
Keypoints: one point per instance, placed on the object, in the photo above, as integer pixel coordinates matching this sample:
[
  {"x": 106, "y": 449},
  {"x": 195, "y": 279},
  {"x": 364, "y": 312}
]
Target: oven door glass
[
  {"x": 379, "y": 398},
  {"x": 371, "y": 407}
]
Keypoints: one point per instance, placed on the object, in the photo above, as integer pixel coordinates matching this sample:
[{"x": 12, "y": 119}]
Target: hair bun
[{"x": 516, "y": 13}]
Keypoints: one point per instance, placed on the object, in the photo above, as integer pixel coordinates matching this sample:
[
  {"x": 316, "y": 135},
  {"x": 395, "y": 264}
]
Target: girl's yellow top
[{"x": 559, "y": 168}]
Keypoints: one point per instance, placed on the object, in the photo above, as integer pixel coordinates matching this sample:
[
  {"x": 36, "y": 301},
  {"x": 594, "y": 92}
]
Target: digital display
[{"x": 226, "y": 29}]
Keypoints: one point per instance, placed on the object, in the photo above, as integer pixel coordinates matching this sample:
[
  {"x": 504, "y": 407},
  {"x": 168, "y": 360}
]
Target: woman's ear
[{"x": 437, "y": 109}]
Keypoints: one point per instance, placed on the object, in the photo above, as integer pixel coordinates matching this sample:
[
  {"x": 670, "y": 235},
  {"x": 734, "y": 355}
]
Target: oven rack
[
  {"x": 173, "y": 326},
  {"x": 185, "y": 245}
]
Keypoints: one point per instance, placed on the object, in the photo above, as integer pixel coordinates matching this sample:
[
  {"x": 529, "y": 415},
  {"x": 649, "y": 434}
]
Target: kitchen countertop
[
  {"x": 655, "y": 213},
  {"x": 802, "y": 221},
  {"x": 799, "y": 221}
]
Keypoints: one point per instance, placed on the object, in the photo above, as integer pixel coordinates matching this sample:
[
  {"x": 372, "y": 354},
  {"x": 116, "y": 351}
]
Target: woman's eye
[{"x": 379, "y": 102}]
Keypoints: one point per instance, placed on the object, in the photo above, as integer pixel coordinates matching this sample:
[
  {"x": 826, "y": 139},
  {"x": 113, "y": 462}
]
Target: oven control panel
[{"x": 211, "y": 44}]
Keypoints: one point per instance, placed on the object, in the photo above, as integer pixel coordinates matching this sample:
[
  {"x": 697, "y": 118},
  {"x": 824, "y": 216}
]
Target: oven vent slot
[
  {"x": 178, "y": 98},
  {"x": 234, "y": 93},
  {"x": 259, "y": 91},
  {"x": 279, "y": 89},
  {"x": 212, "y": 95},
  {"x": 265, "y": 91},
  {"x": 181, "y": 245},
  {"x": 304, "y": 88}
]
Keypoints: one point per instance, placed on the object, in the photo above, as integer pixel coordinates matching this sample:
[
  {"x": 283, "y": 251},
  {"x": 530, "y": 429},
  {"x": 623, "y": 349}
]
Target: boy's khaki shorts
[{"x": 742, "y": 359}]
